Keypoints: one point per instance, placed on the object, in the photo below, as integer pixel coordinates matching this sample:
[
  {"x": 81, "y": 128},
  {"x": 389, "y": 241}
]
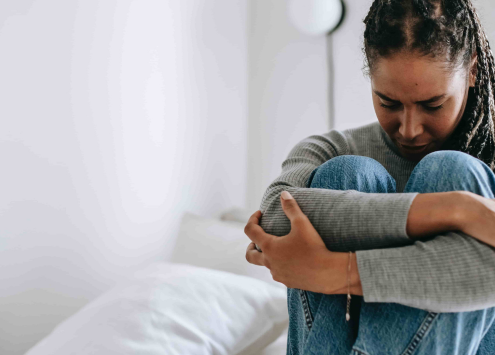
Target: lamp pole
[
  {"x": 331, "y": 82},
  {"x": 331, "y": 69}
]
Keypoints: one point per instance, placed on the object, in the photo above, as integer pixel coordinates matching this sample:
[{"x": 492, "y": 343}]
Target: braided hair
[{"x": 447, "y": 28}]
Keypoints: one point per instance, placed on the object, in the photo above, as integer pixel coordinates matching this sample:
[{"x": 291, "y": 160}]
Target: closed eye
[
  {"x": 391, "y": 107},
  {"x": 435, "y": 108},
  {"x": 396, "y": 106}
]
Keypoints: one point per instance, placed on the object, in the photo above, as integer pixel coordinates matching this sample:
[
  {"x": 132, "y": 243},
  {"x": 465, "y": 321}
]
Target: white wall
[
  {"x": 288, "y": 86},
  {"x": 117, "y": 116},
  {"x": 352, "y": 95},
  {"x": 287, "y": 91},
  {"x": 288, "y": 83}
]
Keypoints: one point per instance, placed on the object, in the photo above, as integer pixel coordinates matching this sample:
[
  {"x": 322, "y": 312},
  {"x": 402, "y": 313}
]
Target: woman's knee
[
  {"x": 449, "y": 170},
  {"x": 352, "y": 172}
]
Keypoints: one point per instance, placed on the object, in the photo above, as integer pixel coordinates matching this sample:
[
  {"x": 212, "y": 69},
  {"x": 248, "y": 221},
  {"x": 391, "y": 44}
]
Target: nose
[{"x": 410, "y": 125}]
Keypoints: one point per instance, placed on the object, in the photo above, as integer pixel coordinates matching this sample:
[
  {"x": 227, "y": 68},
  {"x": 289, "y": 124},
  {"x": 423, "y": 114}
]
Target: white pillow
[
  {"x": 170, "y": 309},
  {"x": 216, "y": 244},
  {"x": 236, "y": 214}
]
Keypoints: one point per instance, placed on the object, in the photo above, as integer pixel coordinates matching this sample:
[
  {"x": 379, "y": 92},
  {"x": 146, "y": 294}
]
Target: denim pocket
[
  {"x": 307, "y": 311},
  {"x": 454, "y": 333},
  {"x": 326, "y": 330},
  {"x": 420, "y": 334},
  {"x": 392, "y": 328}
]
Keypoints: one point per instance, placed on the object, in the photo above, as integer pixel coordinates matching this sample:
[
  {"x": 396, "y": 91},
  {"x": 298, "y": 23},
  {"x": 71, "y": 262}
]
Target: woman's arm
[
  {"x": 451, "y": 273},
  {"x": 434, "y": 213},
  {"x": 347, "y": 220}
]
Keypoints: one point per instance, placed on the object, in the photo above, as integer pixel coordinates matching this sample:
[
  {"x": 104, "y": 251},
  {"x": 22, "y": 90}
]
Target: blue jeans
[{"x": 317, "y": 322}]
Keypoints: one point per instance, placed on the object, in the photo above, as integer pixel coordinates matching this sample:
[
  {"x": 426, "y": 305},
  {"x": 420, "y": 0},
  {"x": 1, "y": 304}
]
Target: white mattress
[{"x": 279, "y": 347}]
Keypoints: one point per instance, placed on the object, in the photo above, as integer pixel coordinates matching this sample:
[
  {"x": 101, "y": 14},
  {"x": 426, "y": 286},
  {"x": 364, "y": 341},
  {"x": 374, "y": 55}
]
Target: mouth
[{"x": 413, "y": 148}]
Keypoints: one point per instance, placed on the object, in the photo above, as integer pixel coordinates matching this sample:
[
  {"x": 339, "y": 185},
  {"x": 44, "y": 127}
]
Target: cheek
[
  {"x": 438, "y": 128},
  {"x": 387, "y": 119},
  {"x": 443, "y": 124}
]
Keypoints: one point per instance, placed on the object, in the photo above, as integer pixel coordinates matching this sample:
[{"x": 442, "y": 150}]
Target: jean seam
[
  {"x": 359, "y": 351},
  {"x": 307, "y": 312},
  {"x": 492, "y": 323},
  {"x": 423, "y": 329}
]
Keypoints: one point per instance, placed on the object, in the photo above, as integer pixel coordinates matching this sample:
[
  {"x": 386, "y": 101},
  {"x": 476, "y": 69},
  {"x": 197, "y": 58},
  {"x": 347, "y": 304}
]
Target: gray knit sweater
[{"x": 451, "y": 272}]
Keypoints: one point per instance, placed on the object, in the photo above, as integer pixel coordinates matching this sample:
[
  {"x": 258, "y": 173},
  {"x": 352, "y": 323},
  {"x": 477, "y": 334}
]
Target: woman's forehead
[{"x": 415, "y": 76}]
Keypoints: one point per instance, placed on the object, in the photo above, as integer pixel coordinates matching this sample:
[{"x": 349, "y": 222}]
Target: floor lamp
[{"x": 317, "y": 18}]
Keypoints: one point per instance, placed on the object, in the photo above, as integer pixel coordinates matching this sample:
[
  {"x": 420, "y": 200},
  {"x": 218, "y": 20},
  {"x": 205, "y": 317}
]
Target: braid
[
  {"x": 436, "y": 27},
  {"x": 479, "y": 139}
]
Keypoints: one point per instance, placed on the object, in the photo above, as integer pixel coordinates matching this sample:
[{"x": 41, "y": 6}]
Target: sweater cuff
[
  {"x": 375, "y": 278},
  {"x": 398, "y": 211},
  {"x": 381, "y": 219},
  {"x": 407, "y": 204}
]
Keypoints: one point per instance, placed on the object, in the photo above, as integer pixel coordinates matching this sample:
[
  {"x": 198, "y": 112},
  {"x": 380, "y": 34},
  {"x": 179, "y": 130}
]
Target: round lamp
[{"x": 316, "y": 17}]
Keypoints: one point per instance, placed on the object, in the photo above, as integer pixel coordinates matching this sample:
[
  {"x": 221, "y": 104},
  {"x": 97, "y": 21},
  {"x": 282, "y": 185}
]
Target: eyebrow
[{"x": 429, "y": 101}]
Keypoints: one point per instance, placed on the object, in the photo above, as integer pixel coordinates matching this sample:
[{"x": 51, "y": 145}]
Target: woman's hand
[
  {"x": 299, "y": 259},
  {"x": 478, "y": 217}
]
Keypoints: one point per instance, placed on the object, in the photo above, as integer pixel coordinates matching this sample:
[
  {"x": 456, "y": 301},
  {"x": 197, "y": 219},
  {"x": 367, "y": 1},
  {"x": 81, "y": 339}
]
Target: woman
[{"x": 410, "y": 197}]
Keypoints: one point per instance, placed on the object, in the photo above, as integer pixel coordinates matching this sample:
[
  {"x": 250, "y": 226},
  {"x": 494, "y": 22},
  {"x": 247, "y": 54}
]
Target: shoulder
[
  {"x": 365, "y": 139},
  {"x": 367, "y": 131},
  {"x": 338, "y": 142},
  {"x": 352, "y": 140}
]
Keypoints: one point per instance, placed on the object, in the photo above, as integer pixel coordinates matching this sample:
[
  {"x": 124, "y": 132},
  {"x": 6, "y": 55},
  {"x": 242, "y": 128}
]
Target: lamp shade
[{"x": 316, "y": 17}]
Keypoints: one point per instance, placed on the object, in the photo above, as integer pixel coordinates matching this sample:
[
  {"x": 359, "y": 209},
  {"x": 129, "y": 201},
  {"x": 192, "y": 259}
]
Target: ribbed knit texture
[{"x": 452, "y": 272}]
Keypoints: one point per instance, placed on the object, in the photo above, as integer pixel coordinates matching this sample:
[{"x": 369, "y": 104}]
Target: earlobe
[
  {"x": 472, "y": 80},
  {"x": 473, "y": 73}
]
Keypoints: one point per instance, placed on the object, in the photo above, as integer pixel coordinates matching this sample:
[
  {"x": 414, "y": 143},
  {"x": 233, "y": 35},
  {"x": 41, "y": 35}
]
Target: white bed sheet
[{"x": 278, "y": 347}]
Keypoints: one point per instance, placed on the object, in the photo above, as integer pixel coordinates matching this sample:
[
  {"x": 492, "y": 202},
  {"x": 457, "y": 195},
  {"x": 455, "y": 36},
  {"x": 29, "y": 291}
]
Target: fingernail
[{"x": 286, "y": 195}]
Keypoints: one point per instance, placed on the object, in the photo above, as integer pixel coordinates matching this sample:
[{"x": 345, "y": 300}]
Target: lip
[{"x": 413, "y": 148}]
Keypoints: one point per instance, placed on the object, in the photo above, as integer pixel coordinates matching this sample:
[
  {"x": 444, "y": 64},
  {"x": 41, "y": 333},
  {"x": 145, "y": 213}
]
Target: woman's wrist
[
  {"x": 434, "y": 213},
  {"x": 466, "y": 209},
  {"x": 476, "y": 217},
  {"x": 339, "y": 266}
]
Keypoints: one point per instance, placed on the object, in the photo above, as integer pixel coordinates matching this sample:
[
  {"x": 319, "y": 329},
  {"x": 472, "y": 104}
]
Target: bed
[{"x": 197, "y": 303}]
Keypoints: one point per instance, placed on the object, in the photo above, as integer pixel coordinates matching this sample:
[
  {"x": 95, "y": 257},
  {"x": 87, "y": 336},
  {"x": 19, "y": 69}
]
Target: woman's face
[{"x": 419, "y": 102}]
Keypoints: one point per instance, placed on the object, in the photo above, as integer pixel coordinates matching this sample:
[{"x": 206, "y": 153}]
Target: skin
[{"x": 403, "y": 82}]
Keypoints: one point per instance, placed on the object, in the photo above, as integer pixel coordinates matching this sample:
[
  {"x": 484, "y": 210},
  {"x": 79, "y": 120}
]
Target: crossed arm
[{"x": 408, "y": 250}]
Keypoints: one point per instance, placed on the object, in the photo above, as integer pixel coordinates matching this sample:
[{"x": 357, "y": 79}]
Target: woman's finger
[
  {"x": 253, "y": 230},
  {"x": 253, "y": 256},
  {"x": 290, "y": 206},
  {"x": 251, "y": 246}
]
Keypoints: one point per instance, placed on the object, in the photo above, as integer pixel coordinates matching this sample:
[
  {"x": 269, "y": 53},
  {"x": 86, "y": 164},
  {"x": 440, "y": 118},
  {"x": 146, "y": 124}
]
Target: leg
[
  {"x": 317, "y": 321},
  {"x": 458, "y": 333},
  {"x": 374, "y": 328},
  {"x": 487, "y": 345},
  {"x": 406, "y": 330},
  {"x": 389, "y": 328}
]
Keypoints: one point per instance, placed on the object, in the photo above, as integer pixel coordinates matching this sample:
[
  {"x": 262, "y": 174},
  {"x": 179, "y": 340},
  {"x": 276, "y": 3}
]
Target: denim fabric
[{"x": 317, "y": 322}]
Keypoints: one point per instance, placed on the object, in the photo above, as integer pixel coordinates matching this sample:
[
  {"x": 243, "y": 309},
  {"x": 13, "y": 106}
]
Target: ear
[{"x": 473, "y": 70}]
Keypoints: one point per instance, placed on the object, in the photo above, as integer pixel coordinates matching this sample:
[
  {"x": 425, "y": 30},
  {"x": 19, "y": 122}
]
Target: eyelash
[{"x": 432, "y": 109}]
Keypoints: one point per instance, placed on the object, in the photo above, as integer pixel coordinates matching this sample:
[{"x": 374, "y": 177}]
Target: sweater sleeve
[
  {"x": 345, "y": 220},
  {"x": 453, "y": 272}
]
